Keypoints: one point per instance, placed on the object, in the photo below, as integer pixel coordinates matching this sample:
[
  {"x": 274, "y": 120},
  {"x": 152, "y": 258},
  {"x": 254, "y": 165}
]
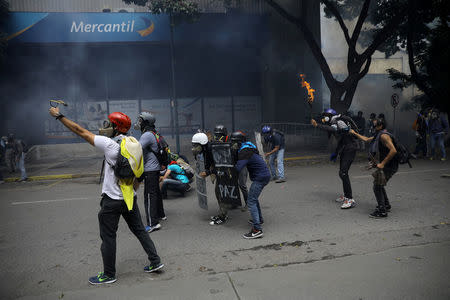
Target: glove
[{"x": 333, "y": 157}]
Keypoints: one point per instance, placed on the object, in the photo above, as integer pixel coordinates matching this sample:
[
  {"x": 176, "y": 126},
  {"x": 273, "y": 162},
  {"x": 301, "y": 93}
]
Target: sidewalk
[{"x": 415, "y": 272}]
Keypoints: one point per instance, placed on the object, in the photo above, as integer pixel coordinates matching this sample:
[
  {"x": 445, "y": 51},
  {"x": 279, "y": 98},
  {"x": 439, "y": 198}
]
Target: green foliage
[
  {"x": 431, "y": 60},
  {"x": 181, "y": 10}
]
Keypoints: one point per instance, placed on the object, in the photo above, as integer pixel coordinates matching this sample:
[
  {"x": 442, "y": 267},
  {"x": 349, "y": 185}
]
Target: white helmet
[{"x": 200, "y": 138}]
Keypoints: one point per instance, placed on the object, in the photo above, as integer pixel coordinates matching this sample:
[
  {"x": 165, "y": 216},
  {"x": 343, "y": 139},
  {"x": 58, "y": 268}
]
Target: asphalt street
[{"x": 49, "y": 242}]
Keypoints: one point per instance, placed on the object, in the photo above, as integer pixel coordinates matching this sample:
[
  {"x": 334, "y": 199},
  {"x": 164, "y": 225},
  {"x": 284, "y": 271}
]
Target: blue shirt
[
  {"x": 178, "y": 173},
  {"x": 256, "y": 166}
]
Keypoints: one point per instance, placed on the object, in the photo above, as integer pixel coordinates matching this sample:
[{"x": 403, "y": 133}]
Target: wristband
[{"x": 59, "y": 116}]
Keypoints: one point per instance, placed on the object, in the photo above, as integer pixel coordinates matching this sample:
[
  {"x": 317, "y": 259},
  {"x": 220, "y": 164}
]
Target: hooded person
[
  {"x": 154, "y": 208},
  {"x": 438, "y": 128},
  {"x": 248, "y": 157},
  {"x": 340, "y": 126},
  {"x": 118, "y": 195}
]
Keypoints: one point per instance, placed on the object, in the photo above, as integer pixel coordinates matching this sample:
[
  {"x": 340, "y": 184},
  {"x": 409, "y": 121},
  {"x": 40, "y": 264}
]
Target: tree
[
  {"x": 4, "y": 9},
  {"x": 427, "y": 36},
  {"x": 377, "y": 21},
  {"x": 178, "y": 11}
]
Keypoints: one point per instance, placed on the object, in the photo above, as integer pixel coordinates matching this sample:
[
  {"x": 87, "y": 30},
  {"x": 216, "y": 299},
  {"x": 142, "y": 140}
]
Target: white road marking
[
  {"x": 48, "y": 201},
  {"x": 405, "y": 172}
]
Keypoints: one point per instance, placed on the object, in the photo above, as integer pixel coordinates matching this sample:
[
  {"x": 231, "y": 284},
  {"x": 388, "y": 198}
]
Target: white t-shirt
[{"x": 110, "y": 182}]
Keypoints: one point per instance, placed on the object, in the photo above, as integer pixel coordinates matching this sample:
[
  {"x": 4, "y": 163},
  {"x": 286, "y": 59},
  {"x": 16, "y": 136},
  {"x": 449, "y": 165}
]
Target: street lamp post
[{"x": 174, "y": 102}]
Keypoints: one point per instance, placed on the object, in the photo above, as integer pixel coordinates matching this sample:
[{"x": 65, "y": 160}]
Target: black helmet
[
  {"x": 238, "y": 137},
  {"x": 220, "y": 131}
]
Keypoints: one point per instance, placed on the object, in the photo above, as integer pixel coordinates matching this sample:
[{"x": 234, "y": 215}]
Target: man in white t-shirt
[{"x": 112, "y": 204}]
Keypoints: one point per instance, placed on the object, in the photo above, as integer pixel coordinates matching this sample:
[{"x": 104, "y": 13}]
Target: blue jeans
[
  {"x": 21, "y": 166},
  {"x": 439, "y": 139},
  {"x": 279, "y": 155},
  {"x": 253, "y": 203}
]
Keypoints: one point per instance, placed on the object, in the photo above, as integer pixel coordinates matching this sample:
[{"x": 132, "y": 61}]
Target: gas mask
[
  {"x": 196, "y": 149},
  {"x": 138, "y": 124},
  {"x": 434, "y": 115},
  {"x": 235, "y": 147},
  {"x": 107, "y": 130}
]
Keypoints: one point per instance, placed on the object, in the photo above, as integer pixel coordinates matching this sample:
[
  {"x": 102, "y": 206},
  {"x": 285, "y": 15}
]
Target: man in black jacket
[{"x": 346, "y": 149}]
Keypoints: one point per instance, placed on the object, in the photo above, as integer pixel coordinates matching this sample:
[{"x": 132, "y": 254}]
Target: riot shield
[
  {"x": 227, "y": 189},
  {"x": 201, "y": 182}
]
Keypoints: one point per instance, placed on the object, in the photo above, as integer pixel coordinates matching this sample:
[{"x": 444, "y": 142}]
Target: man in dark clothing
[
  {"x": 276, "y": 140},
  {"x": 347, "y": 145},
  {"x": 259, "y": 175},
  {"x": 438, "y": 128},
  {"x": 154, "y": 208},
  {"x": 382, "y": 145},
  {"x": 421, "y": 128}
]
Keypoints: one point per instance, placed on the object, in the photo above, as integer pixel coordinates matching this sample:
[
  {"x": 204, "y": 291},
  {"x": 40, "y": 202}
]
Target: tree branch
[
  {"x": 309, "y": 37},
  {"x": 366, "y": 68},
  {"x": 362, "y": 17},
  {"x": 338, "y": 17}
]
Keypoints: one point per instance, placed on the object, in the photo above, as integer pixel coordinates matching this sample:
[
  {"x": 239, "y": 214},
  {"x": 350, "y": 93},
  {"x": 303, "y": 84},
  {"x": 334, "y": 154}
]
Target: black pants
[
  {"x": 380, "y": 191},
  {"x": 154, "y": 209},
  {"x": 346, "y": 160},
  {"x": 108, "y": 218}
]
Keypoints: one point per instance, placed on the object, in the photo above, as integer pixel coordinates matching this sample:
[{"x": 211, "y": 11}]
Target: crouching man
[{"x": 118, "y": 196}]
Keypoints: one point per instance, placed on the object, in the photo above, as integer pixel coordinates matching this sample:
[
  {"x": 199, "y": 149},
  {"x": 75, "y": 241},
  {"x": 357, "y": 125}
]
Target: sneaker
[
  {"x": 153, "y": 228},
  {"x": 348, "y": 203},
  {"x": 153, "y": 268},
  {"x": 251, "y": 222},
  {"x": 387, "y": 207},
  {"x": 101, "y": 278},
  {"x": 443, "y": 159},
  {"x": 340, "y": 199},
  {"x": 253, "y": 234},
  {"x": 378, "y": 214},
  {"x": 280, "y": 180},
  {"x": 163, "y": 218},
  {"x": 23, "y": 179},
  {"x": 219, "y": 220}
]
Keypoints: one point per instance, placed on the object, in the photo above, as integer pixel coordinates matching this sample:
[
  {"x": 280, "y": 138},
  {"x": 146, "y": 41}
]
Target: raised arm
[{"x": 74, "y": 127}]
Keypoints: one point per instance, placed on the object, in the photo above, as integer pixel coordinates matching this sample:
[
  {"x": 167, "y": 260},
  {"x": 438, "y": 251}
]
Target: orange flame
[{"x": 308, "y": 87}]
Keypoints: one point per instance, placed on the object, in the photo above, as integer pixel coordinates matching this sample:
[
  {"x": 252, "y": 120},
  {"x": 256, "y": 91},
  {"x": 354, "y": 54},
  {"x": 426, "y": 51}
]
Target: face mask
[
  {"x": 326, "y": 119},
  {"x": 196, "y": 149},
  {"x": 137, "y": 125},
  {"x": 107, "y": 129}
]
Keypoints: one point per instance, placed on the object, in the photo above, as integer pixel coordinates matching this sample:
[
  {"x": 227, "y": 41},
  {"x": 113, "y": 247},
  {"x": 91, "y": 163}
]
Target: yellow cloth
[{"x": 131, "y": 150}]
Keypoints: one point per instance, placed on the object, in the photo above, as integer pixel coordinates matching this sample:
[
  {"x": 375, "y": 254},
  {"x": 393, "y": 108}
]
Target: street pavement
[{"x": 311, "y": 249}]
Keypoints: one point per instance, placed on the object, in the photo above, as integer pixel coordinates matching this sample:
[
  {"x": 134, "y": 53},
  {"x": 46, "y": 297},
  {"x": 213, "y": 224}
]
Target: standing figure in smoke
[
  {"x": 276, "y": 139},
  {"x": 248, "y": 157},
  {"x": 118, "y": 194},
  {"x": 384, "y": 159},
  {"x": 154, "y": 209},
  {"x": 340, "y": 126},
  {"x": 438, "y": 128}
]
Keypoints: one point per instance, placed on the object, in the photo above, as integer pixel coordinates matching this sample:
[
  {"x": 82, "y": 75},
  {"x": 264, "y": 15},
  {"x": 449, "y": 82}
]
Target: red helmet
[{"x": 121, "y": 120}]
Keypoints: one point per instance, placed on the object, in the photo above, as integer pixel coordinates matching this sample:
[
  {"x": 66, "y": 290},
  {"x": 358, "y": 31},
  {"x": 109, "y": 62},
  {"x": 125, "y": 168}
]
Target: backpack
[
  {"x": 403, "y": 155},
  {"x": 122, "y": 168},
  {"x": 162, "y": 153},
  {"x": 188, "y": 171}
]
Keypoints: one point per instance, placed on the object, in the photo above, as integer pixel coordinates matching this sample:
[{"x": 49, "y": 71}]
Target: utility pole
[{"x": 174, "y": 101}]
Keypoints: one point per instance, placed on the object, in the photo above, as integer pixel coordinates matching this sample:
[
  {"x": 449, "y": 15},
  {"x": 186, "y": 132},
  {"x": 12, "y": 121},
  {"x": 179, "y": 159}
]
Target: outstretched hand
[{"x": 54, "y": 111}]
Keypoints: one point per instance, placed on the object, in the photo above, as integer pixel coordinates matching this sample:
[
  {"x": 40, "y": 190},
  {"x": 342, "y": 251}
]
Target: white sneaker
[
  {"x": 348, "y": 203},
  {"x": 340, "y": 199}
]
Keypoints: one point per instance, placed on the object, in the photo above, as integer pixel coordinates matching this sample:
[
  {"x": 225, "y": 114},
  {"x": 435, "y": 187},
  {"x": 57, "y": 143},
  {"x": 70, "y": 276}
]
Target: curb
[{"x": 51, "y": 177}]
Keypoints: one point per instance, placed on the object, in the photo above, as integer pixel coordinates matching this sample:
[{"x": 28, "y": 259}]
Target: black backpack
[
  {"x": 122, "y": 168},
  {"x": 403, "y": 154},
  {"x": 161, "y": 154}
]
